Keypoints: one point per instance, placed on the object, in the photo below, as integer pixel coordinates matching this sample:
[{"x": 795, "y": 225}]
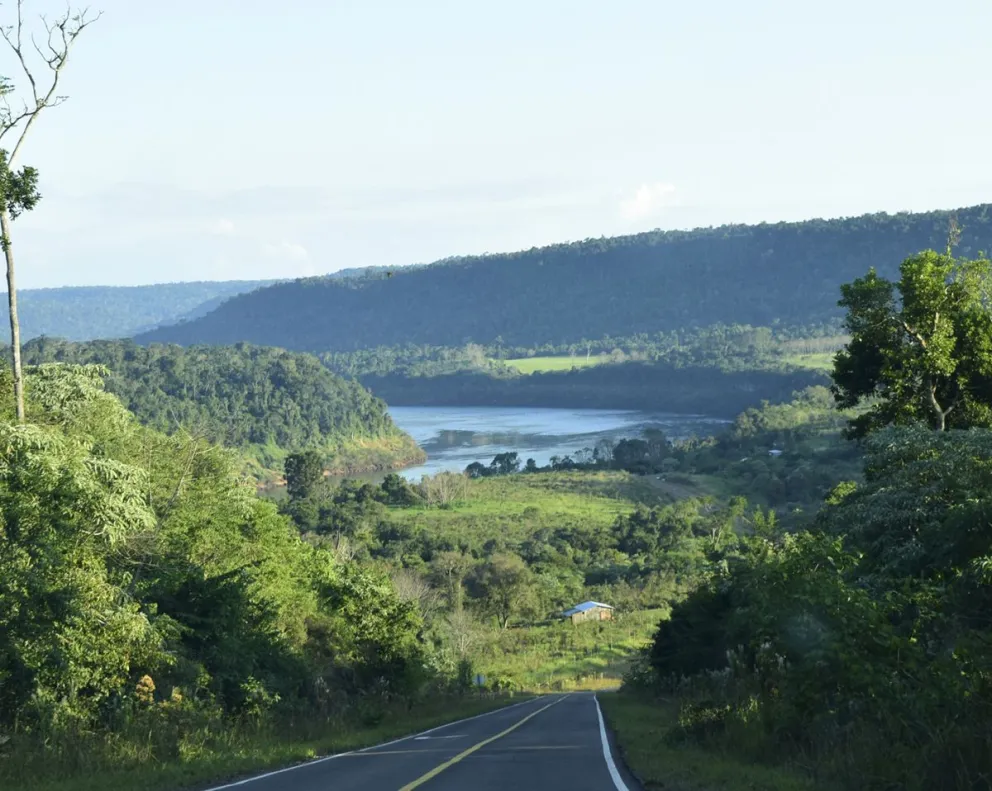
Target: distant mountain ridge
[
  {"x": 89, "y": 312},
  {"x": 82, "y": 313},
  {"x": 761, "y": 275}
]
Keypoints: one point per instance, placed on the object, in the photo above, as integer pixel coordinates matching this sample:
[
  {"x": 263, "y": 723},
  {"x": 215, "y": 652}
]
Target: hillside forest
[
  {"x": 85, "y": 313},
  {"x": 660, "y": 281},
  {"x": 261, "y": 401}
]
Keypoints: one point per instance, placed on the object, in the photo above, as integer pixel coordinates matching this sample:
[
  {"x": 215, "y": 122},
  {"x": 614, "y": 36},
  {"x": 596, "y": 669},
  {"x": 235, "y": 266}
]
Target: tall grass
[
  {"x": 563, "y": 656},
  {"x": 180, "y": 746},
  {"x": 646, "y": 731}
]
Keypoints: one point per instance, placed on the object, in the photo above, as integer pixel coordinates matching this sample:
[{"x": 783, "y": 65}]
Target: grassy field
[
  {"x": 642, "y": 727},
  {"x": 821, "y": 361},
  {"x": 532, "y": 365},
  {"x": 515, "y": 506},
  {"x": 563, "y": 656},
  {"x": 135, "y": 762}
]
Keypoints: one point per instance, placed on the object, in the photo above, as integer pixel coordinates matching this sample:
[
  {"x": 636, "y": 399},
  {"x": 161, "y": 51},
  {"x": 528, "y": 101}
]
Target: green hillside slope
[
  {"x": 650, "y": 282},
  {"x": 264, "y": 402},
  {"x": 83, "y": 313}
]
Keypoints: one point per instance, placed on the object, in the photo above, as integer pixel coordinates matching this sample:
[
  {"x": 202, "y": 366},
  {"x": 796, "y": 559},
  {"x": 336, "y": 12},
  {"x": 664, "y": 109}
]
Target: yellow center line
[
  {"x": 395, "y": 752},
  {"x": 443, "y": 750},
  {"x": 440, "y": 768}
]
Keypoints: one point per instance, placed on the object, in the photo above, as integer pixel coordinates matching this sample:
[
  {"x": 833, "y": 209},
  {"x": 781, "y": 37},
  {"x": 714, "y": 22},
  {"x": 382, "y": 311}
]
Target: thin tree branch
[
  {"x": 15, "y": 45},
  {"x": 61, "y": 35},
  {"x": 915, "y": 334}
]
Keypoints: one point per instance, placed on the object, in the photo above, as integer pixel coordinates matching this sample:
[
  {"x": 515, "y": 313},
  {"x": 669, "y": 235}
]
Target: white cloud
[
  {"x": 648, "y": 200},
  {"x": 288, "y": 251},
  {"x": 223, "y": 227}
]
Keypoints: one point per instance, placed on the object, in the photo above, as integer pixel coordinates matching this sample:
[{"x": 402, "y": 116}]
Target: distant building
[{"x": 589, "y": 611}]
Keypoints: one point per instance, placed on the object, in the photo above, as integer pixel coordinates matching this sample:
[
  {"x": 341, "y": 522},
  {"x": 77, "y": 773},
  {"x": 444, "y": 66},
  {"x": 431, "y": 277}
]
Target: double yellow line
[{"x": 438, "y": 769}]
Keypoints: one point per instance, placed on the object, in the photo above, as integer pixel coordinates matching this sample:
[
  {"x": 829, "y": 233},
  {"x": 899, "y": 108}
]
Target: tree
[
  {"x": 19, "y": 193},
  {"x": 396, "y": 490},
  {"x": 443, "y": 489},
  {"x": 924, "y": 356},
  {"x": 412, "y": 587},
  {"x": 505, "y": 463},
  {"x": 303, "y": 472},
  {"x": 504, "y": 585},
  {"x": 449, "y": 568}
]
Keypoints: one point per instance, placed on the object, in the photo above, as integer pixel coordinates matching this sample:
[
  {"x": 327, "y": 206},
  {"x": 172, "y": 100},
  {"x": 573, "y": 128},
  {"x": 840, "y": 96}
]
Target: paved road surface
[{"x": 552, "y": 743}]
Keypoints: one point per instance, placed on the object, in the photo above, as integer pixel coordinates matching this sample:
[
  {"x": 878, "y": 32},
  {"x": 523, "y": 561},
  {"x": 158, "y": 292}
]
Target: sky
[{"x": 241, "y": 139}]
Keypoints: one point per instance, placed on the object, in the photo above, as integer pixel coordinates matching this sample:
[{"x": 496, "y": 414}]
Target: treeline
[
  {"x": 151, "y": 604},
  {"x": 264, "y": 402},
  {"x": 786, "y": 273},
  {"x": 635, "y": 385},
  {"x": 728, "y": 347}
]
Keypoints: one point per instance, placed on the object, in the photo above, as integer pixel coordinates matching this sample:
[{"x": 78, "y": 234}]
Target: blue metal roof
[{"x": 588, "y": 605}]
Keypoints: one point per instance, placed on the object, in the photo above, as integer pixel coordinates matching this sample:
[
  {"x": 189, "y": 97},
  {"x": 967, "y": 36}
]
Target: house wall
[{"x": 595, "y": 614}]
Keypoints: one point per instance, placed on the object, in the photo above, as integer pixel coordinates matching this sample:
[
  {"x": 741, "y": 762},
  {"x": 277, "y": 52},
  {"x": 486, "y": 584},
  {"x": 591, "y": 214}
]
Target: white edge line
[
  {"x": 617, "y": 780},
  {"x": 315, "y": 761}
]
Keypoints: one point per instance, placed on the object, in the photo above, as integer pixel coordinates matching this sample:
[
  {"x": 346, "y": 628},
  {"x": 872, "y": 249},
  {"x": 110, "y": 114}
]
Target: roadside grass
[
  {"x": 533, "y": 365},
  {"x": 562, "y": 656},
  {"x": 642, "y": 726},
  {"x": 132, "y": 762}
]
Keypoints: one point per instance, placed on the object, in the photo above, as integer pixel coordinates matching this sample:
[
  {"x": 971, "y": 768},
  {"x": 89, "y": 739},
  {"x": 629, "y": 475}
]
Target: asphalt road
[{"x": 551, "y": 743}]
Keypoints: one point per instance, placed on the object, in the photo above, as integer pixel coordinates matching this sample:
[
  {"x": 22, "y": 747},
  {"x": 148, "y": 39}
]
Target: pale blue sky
[{"x": 221, "y": 139}]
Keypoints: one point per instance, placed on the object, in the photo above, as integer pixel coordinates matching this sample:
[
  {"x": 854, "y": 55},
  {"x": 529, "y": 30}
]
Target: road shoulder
[{"x": 639, "y": 727}]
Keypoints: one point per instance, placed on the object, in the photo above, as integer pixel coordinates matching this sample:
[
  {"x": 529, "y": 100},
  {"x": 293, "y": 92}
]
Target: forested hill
[
  {"x": 646, "y": 283},
  {"x": 83, "y": 313},
  {"x": 265, "y": 402}
]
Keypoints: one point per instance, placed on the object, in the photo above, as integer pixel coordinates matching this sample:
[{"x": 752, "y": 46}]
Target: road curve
[{"x": 549, "y": 743}]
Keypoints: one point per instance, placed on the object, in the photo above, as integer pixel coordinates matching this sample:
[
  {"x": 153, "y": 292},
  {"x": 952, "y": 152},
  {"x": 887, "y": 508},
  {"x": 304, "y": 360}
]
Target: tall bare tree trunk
[{"x": 15, "y": 326}]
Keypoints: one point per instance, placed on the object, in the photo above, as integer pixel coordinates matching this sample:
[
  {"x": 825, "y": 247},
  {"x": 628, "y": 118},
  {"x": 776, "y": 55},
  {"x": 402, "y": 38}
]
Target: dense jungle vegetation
[
  {"x": 264, "y": 402},
  {"x": 854, "y": 648},
  {"x": 786, "y": 273},
  {"x": 146, "y": 589}
]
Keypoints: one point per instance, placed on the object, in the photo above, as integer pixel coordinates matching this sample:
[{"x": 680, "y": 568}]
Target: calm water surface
[{"x": 454, "y": 437}]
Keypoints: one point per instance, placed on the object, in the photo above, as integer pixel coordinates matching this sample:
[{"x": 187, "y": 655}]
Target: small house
[{"x": 589, "y": 611}]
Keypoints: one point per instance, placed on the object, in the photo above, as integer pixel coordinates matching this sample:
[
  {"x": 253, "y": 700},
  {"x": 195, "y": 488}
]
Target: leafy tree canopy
[{"x": 921, "y": 347}]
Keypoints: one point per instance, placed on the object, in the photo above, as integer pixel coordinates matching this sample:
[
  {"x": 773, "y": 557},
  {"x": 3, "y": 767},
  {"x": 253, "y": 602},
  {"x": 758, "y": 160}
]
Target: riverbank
[
  {"x": 354, "y": 457},
  {"x": 454, "y": 437},
  {"x": 635, "y": 386}
]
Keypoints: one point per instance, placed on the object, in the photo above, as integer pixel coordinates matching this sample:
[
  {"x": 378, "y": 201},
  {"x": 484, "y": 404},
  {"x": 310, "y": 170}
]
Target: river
[{"x": 454, "y": 437}]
